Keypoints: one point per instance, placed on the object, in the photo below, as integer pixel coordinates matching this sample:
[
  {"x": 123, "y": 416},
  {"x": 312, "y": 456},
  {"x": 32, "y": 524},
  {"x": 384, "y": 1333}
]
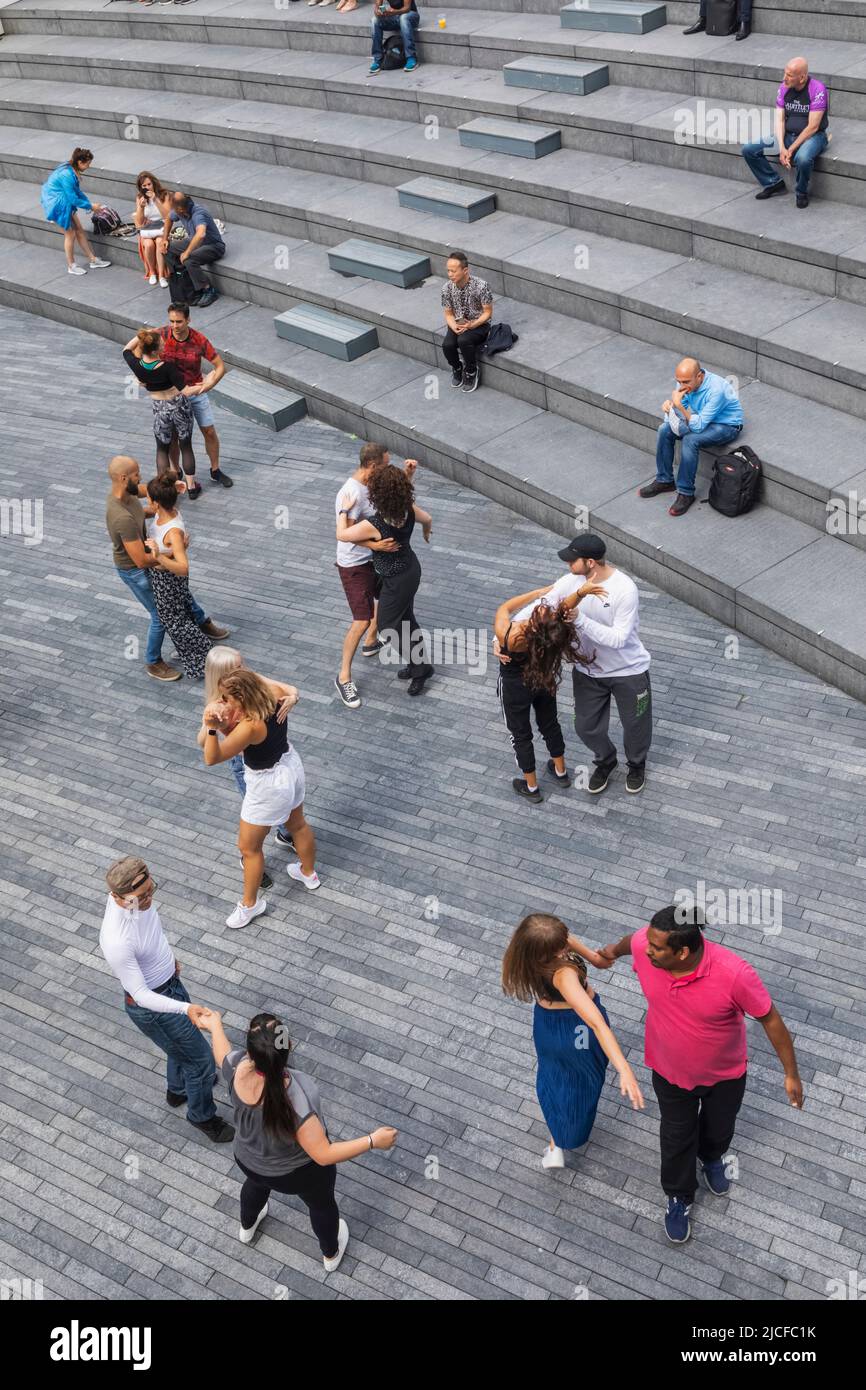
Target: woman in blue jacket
[{"x": 62, "y": 197}]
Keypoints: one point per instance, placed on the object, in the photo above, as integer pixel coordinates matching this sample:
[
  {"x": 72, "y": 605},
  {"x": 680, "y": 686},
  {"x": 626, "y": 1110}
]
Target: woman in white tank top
[
  {"x": 152, "y": 206},
  {"x": 168, "y": 538}
]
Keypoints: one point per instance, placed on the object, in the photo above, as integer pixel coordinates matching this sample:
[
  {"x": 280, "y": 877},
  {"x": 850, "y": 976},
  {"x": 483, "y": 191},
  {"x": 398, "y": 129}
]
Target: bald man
[
  {"x": 744, "y": 19},
  {"x": 703, "y": 409},
  {"x": 125, "y": 521},
  {"x": 802, "y": 115}
]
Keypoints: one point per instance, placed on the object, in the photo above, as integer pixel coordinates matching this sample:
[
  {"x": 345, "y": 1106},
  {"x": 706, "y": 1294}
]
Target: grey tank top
[{"x": 257, "y": 1150}]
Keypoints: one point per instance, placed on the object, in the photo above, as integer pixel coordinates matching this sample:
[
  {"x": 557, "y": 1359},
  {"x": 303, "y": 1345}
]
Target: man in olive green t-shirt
[{"x": 125, "y": 521}]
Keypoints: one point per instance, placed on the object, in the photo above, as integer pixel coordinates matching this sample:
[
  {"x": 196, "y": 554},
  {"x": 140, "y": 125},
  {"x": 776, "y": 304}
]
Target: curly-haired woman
[
  {"x": 395, "y": 512},
  {"x": 172, "y": 407},
  {"x": 534, "y": 634},
  {"x": 544, "y": 964}
]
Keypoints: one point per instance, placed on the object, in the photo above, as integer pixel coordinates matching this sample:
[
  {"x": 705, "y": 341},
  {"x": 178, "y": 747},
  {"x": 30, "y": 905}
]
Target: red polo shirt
[
  {"x": 186, "y": 356},
  {"x": 695, "y": 1025}
]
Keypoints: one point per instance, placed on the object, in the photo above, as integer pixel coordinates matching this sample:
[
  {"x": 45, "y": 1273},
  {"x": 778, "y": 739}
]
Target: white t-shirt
[
  {"x": 354, "y": 498},
  {"x": 609, "y": 627},
  {"x": 135, "y": 946},
  {"x": 563, "y": 588}
]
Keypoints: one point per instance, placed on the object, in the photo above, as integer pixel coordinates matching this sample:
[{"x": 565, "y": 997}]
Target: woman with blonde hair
[
  {"x": 274, "y": 777},
  {"x": 172, "y": 407},
  {"x": 545, "y": 964}
]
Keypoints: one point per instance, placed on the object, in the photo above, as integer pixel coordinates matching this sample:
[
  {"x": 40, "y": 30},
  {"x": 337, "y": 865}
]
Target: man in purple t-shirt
[{"x": 802, "y": 112}]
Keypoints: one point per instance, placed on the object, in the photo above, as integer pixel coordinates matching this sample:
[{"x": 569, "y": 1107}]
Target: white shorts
[{"x": 274, "y": 793}]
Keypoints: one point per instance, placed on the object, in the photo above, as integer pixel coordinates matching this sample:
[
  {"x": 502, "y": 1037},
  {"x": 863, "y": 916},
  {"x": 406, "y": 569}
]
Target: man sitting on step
[
  {"x": 468, "y": 305},
  {"x": 744, "y": 20},
  {"x": 802, "y": 112},
  {"x": 399, "y": 15},
  {"x": 703, "y": 409},
  {"x": 202, "y": 245}
]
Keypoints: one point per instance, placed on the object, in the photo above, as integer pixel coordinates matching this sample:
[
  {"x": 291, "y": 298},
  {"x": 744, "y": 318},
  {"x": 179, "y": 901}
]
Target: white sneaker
[
  {"x": 246, "y": 1236},
  {"x": 99, "y": 265},
  {"x": 310, "y": 881},
  {"x": 342, "y": 1242},
  {"x": 553, "y": 1158},
  {"x": 152, "y": 280},
  {"x": 163, "y": 283},
  {"x": 242, "y": 916},
  {"x": 76, "y": 270}
]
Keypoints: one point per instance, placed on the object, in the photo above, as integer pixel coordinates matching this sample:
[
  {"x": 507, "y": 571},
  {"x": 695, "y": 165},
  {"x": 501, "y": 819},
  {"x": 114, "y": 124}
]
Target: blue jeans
[
  {"x": 406, "y": 23},
  {"x": 138, "y": 581},
  {"x": 237, "y": 766},
  {"x": 190, "y": 1070},
  {"x": 692, "y": 444},
  {"x": 804, "y": 160}
]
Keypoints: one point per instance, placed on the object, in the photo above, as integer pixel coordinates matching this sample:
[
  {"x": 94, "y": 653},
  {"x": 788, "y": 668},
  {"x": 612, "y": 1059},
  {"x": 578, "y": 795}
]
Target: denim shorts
[{"x": 202, "y": 410}]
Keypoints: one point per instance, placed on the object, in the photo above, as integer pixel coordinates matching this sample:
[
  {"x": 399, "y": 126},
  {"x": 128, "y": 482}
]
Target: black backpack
[
  {"x": 736, "y": 481},
  {"x": 393, "y": 53},
  {"x": 105, "y": 220}
]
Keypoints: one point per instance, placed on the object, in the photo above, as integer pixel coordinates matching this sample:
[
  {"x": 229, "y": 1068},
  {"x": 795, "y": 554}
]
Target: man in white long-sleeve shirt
[
  {"x": 608, "y": 627},
  {"x": 135, "y": 946}
]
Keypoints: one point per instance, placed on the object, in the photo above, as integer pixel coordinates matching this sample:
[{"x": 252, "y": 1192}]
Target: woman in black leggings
[
  {"x": 281, "y": 1143},
  {"x": 532, "y": 639},
  {"x": 172, "y": 409},
  {"x": 395, "y": 511}
]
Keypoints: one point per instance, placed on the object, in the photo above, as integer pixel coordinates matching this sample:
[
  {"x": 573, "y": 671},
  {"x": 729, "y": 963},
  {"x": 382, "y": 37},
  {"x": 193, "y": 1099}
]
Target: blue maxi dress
[
  {"x": 571, "y": 1071},
  {"x": 62, "y": 196}
]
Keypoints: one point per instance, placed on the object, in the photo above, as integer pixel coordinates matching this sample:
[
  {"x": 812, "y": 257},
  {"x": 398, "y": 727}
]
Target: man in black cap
[{"x": 620, "y": 667}]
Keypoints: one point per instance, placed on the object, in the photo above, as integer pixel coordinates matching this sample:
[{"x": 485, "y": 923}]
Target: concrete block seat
[
  {"x": 259, "y": 400},
  {"x": 522, "y": 139},
  {"x": 750, "y": 571},
  {"x": 585, "y": 371},
  {"x": 688, "y": 213},
  {"x": 613, "y": 16}
]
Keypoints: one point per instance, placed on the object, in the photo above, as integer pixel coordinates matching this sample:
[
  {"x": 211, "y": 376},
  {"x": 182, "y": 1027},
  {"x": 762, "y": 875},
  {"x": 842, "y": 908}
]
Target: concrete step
[
  {"x": 453, "y": 200},
  {"x": 613, "y": 17},
  {"x": 556, "y": 75},
  {"x": 310, "y": 326},
  {"x": 390, "y": 264},
  {"x": 257, "y": 399},
  {"x": 688, "y": 213},
  {"x": 526, "y": 140},
  {"x": 784, "y": 583}
]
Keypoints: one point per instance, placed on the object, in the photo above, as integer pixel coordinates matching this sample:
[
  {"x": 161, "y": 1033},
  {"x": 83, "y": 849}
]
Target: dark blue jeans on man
[
  {"x": 406, "y": 23},
  {"x": 138, "y": 581},
  {"x": 666, "y": 442},
  {"x": 804, "y": 160},
  {"x": 190, "y": 1069}
]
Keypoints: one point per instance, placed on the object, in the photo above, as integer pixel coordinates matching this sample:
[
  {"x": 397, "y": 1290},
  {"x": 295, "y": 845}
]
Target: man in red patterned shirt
[{"x": 185, "y": 347}]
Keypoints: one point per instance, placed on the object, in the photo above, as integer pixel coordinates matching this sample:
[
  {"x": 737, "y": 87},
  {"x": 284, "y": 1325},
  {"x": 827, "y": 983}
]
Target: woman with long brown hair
[
  {"x": 274, "y": 777},
  {"x": 152, "y": 207},
  {"x": 395, "y": 512},
  {"x": 172, "y": 407},
  {"x": 544, "y": 964},
  {"x": 534, "y": 634}
]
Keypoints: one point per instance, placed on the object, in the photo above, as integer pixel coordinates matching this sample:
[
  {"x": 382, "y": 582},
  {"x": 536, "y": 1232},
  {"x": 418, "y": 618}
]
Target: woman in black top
[
  {"x": 274, "y": 777},
  {"x": 395, "y": 512},
  {"x": 172, "y": 408}
]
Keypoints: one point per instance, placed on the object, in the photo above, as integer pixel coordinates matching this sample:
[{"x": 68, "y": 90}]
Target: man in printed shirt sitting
[
  {"x": 703, "y": 409},
  {"x": 802, "y": 114}
]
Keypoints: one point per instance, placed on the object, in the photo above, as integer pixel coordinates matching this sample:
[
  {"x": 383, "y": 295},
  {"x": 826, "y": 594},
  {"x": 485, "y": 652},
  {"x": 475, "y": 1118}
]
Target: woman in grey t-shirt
[{"x": 281, "y": 1143}]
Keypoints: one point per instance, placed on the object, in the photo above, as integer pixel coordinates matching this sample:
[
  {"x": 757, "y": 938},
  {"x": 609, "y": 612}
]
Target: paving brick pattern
[{"x": 388, "y": 976}]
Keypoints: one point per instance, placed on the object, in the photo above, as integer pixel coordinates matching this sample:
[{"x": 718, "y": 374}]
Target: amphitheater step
[
  {"x": 455, "y": 200},
  {"x": 334, "y": 334},
  {"x": 613, "y": 17},
  {"x": 556, "y": 75},
  {"x": 390, "y": 264},
  {"x": 510, "y": 137},
  {"x": 258, "y": 400}
]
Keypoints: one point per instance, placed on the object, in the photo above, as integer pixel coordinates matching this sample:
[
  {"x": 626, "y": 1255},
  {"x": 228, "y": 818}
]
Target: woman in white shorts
[{"x": 274, "y": 776}]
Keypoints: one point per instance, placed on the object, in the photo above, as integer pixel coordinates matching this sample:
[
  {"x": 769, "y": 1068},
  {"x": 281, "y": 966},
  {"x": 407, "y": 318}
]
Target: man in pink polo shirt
[{"x": 698, "y": 994}]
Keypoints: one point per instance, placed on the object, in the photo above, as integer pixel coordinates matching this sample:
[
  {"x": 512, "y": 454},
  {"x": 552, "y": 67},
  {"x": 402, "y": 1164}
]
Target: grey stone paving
[{"x": 388, "y": 976}]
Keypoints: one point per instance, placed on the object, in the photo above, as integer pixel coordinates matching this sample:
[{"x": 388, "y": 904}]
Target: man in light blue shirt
[{"x": 704, "y": 409}]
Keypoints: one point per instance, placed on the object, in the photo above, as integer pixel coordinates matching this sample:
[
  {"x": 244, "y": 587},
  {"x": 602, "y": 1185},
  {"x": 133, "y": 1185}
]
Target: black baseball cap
[{"x": 585, "y": 547}]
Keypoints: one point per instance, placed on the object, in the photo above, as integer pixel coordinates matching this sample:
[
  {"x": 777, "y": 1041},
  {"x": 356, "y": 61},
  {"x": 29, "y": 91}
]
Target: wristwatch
[{"x": 213, "y": 732}]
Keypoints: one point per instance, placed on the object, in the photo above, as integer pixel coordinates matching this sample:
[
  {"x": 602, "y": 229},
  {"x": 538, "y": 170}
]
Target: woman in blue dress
[
  {"x": 543, "y": 963},
  {"x": 62, "y": 197}
]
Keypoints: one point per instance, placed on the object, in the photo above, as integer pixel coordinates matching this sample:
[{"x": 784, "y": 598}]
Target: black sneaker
[
  {"x": 562, "y": 779},
  {"x": 267, "y": 881},
  {"x": 635, "y": 779},
  {"x": 208, "y": 298},
  {"x": 600, "y": 778},
  {"x": 405, "y": 673},
  {"x": 802, "y": 200},
  {"x": 456, "y": 376},
  {"x": 655, "y": 487},
  {"x": 174, "y": 1100},
  {"x": 417, "y": 683},
  {"x": 375, "y": 647},
  {"x": 772, "y": 192},
  {"x": 193, "y": 491},
  {"x": 348, "y": 693},
  {"x": 216, "y": 1129},
  {"x": 534, "y": 797},
  {"x": 471, "y": 380},
  {"x": 284, "y": 840},
  {"x": 218, "y": 476}
]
